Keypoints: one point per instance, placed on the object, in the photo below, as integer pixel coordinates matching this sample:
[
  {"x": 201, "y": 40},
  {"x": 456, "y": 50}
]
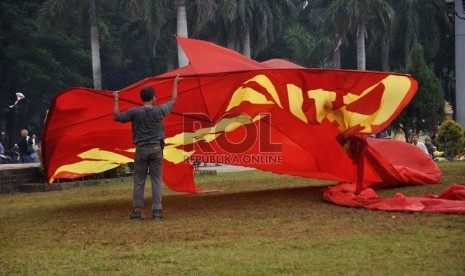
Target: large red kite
[{"x": 274, "y": 116}]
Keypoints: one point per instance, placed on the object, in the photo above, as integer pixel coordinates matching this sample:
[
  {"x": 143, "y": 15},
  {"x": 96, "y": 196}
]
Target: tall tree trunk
[
  {"x": 385, "y": 53},
  {"x": 231, "y": 44},
  {"x": 153, "y": 55},
  {"x": 95, "y": 46},
  {"x": 181, "y": 31},
  {"x": 407, "y": 42},
  {"x": 361, "y": 64},
  {"x": 460, "y": 64},
  {"x": 337, "y": 52},
  {"x": 171, "y": 59},
  {"x": 337, "y": 58},
  {"x": 169, "y": 63},
  {"x": 12, "y": 133},
  {"x": 246, "y": 44},
  {"x": 95, "y": 49}
]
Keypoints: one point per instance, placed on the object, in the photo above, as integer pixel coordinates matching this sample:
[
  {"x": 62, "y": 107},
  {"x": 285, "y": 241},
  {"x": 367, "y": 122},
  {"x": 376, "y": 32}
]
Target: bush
[
  {"x": 117, "y": 172},
  {"x": 451, "y": 139}
]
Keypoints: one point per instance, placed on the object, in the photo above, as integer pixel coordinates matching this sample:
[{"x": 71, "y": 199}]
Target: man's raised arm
[
  {"x": 116, "y": 112},
  {"x": 174, "y": 93}
]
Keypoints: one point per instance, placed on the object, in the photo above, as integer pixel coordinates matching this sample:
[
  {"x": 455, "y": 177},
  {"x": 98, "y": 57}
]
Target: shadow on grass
[{"x": 179, "y": 206}]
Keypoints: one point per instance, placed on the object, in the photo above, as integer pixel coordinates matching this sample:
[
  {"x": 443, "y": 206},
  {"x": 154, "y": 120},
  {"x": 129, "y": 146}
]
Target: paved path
[
  {"x": 222, "y": 168},
  {"x": 18, "y": 166}
]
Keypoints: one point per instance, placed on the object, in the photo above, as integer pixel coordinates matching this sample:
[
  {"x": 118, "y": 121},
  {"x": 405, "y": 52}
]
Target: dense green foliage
[
  {"x": 451, "y": 138},
  {"x": 45, "y": 45},
  {"x": 426, "y": 110},
  {"x": 34, "y": 64}
]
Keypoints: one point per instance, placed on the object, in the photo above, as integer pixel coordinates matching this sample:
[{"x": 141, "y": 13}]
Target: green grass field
[{"x": 260, "y": 224}]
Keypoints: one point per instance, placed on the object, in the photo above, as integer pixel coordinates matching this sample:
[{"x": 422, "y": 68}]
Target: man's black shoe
[
  {"x": 157, "y": 214},
  {"x": 135, "y": 215}
]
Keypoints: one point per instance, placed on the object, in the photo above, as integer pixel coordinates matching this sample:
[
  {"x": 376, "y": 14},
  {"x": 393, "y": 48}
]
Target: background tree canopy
[
  {"x": 426, "y": 110},
  {"x": 45, "y": 46}
]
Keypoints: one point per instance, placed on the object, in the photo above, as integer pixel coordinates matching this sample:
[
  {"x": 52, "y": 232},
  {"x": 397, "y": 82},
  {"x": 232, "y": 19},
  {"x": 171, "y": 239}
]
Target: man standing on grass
[{"x": 148, "y": 134}]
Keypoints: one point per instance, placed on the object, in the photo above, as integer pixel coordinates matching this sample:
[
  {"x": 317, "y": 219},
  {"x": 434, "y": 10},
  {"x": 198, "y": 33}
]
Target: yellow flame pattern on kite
[
  {"x": 97, "y": 161},
  {"x": 396, "y": 88}
]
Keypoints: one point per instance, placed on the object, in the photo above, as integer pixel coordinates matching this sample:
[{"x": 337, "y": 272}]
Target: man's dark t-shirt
[
  {"x": 147, "y": 123},
  {"x": 23, "y": 144}
]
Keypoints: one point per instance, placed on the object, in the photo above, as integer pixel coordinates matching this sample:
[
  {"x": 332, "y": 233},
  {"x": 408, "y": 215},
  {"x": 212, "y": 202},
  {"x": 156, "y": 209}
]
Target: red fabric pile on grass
[{"x": 398, "y": 163}]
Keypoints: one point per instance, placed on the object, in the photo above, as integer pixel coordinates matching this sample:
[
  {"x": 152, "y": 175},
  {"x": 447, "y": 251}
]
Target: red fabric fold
[{"x": 450, "y": 201}]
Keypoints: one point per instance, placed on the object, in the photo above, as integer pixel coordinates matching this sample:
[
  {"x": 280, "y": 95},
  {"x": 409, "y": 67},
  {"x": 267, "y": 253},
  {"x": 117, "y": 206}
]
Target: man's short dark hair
[{"x": 147, "y": 93}]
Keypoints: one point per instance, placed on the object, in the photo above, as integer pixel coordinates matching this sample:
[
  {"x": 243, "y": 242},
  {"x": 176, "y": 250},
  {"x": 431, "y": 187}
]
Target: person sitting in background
[
  {"x": 26, "y": 152},
  {"x": 429, "y": 146},
  {"x": 419, "y": 144}
]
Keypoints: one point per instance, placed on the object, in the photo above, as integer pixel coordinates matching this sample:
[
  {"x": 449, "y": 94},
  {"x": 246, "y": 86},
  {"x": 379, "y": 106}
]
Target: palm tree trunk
[
  {"x": 231, "y": 44},
  {"x": 407, "y": 42},
  {"x": 153, "y": 60},
  {"x": 337, "y": 58},
  {"x": 337, "y": 53},
  {"x": 181, "y": 31},
  {"x": 361, "y": 64},
  {"x": 95, "y": 49},
  {"x": 246, "y": 44},
  {"x": 460, "y": 64},
  {"x": 169, "y": 64},
  {"x": 95, "y": 46},
  {"x": 385, "y": 54},
  {"x": 11, "y": 126}
]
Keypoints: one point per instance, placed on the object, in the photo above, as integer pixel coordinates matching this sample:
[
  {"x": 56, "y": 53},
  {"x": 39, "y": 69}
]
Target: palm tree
[
  {"x": 356, "y": 15},
  {"x": 242, "y": 23},
  {"x": 152, "y": 22},
  {"x": 313, "y": 17},
  {"x": 146, "y": 23},
  {"x": 251, "y": 16},
  {"x": 57, "y": 11},
  {"x": 205, "y": 13},
  {"x": 386, "y": 40},
  {"x": 309, "y": 49},
  {"x": 274, "y": 16},
  {"x": 421, "y": 21}
]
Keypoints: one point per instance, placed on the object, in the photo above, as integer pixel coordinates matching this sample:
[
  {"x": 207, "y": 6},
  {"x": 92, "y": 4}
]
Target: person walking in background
[
  {"x": 26, "y": 151},
  {"x": 148, "y": 134}
]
